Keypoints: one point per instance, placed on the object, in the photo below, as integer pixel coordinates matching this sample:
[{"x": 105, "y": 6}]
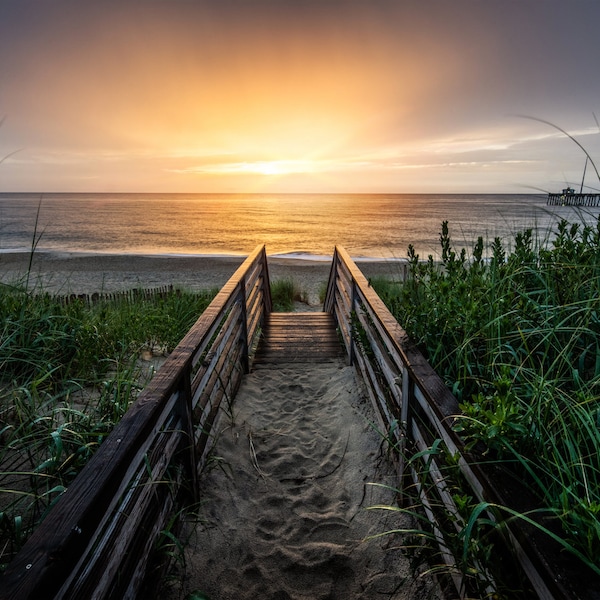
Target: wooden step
[{"x": 299, "y": 338}]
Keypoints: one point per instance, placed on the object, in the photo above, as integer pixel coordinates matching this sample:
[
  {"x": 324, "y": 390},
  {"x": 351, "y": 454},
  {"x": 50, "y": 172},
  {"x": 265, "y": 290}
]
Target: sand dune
[{"x": 284, "y": 507}]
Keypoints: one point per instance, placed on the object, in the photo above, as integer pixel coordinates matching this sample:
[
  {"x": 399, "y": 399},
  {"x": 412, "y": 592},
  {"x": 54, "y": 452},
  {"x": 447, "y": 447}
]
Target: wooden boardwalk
[
  {"x": 98, "y": 540},
  {"x": 299, "y": 337}
]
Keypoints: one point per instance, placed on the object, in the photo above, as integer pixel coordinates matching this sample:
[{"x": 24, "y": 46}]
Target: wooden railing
[
  {"x": 98, "y": 541},
  {"x": 561, "y": 199},
  {"x": 416, "y": 412},
  {"x": 99, "y": 538}
]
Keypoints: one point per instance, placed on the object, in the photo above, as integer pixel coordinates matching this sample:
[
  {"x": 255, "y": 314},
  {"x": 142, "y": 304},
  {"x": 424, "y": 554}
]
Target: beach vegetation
[
  {"x": 323, "y": 292},
  {"x": 284, "y": 292},
  {"x": 513, "y": 328},
  {"x": 69, "y": 370}
]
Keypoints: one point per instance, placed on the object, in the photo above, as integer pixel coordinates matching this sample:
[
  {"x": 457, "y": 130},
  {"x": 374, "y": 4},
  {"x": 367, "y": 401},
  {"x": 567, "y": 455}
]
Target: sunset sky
[{"x": 298, "y": 96}]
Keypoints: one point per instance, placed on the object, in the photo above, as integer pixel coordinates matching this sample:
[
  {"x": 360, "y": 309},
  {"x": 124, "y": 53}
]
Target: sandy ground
[
  {"x": 284, "y": 511},
  {"x": 86, "y": 273}
]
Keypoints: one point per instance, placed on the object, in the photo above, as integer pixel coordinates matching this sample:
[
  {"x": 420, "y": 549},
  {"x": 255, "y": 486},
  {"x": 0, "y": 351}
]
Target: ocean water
[{"x": 304, "y": 225}]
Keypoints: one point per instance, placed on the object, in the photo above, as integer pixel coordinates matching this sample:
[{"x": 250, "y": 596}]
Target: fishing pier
[
  {"x": 99, "y": 540},
  {"x": 571, "y": 198}
]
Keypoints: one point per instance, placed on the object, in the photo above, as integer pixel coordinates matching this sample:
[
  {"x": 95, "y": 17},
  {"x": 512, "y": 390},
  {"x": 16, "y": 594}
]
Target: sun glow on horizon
[
  {"x": 275, "y": 167},
  {"x": 236, "y": 97},
  {"x": 272, "y": 167},
  {"x": 259, "y": 167}
]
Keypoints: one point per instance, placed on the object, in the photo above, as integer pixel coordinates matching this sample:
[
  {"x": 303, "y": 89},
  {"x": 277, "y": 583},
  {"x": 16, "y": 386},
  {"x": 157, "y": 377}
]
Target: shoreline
[
  {"x": 85, "y": 273},
  {"x": 20, "y": 254}
]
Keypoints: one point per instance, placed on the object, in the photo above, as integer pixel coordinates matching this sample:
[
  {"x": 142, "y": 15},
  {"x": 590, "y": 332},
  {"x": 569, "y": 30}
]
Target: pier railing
[
  {"x": 99, "y": 538},
  {"x": 416, "y": 413},
  {"x": 573, "y": 199}
]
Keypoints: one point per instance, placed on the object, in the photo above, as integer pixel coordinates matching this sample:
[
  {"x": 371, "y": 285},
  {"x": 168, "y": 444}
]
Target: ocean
[{"x": 303, "y": 225}]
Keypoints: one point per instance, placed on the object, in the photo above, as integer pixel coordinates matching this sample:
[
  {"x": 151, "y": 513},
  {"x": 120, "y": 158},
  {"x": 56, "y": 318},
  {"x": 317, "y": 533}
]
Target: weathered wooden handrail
[
  {"x": 415, "y": 408},
  {"x": 98, "y": 539}
]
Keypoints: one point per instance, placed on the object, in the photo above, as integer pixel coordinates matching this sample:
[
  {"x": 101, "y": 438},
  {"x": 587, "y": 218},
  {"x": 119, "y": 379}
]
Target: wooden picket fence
[{"x": 132, "y": 295}]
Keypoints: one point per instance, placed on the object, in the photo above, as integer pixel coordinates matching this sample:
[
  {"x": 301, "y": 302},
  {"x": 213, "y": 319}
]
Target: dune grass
[
  {"x": 284, "y": 292},
  {"x": 516, "y": 336},
  {"x": 69, "y": 371}
]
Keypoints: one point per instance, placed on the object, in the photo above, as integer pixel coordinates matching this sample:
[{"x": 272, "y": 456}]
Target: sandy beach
[{"x": 71, "y": 273}]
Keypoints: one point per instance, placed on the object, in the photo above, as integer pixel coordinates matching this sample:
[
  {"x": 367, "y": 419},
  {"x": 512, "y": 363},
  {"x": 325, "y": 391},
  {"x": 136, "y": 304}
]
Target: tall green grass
[
  {"x": 68, "y": 373},
  {"x": 515, "y": 333},
  {"x": 284, "y": 292}
]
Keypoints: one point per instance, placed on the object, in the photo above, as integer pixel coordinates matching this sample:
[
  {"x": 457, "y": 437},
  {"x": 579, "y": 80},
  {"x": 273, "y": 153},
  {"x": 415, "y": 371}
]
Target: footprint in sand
[{"x": 286, "y": 520}]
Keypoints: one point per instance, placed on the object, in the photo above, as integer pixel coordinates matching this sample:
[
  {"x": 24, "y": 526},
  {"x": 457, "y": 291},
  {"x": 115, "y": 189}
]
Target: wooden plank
[
  {"x": 299, "y": 337},
  {"x": 275, "y": 352},
  {"x": 317, "y": 340},
  {"x": 316, "y": 337}
]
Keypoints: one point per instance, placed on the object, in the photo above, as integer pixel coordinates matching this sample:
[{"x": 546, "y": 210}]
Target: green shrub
[
  {"x": 283, "y": 294},
  {"x": 69, "y": 371},
  {"x": 515, "y": 335}
]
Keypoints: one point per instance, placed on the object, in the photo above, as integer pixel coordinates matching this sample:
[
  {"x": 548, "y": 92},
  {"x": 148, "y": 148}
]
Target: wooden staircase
[{"x": 299, "y": 337}]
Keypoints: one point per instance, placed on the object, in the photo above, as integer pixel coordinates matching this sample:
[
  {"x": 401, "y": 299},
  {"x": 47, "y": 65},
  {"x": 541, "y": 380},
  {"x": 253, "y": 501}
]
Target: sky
[{"x": 257, "y": 96}]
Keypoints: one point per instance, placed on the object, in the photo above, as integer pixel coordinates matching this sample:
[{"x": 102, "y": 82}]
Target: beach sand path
[{"x": 284, "y": 507}]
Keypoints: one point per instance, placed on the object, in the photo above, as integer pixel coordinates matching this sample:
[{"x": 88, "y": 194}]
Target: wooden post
[
  {"x": 353, "y": 308},
  {"x": 405, "y": 417},
  {"x": 184, "y": 407},
  {"x": 267, "y": 302},
  {"x": 330, "y": 297},
  {"x": 244, "y": 325}
]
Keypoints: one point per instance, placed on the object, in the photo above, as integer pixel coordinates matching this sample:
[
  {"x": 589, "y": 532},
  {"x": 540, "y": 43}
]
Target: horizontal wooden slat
[{"x": 299, "y": 338}]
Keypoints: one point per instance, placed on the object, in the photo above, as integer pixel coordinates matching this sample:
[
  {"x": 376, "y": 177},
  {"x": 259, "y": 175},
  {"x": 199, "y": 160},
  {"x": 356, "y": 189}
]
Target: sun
[
  {"x": 257, "y": 167},
  {"x": 262, "y": 167},
  {"x": 280, "y": 167},
  {"x": 275, "y": 167}
]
